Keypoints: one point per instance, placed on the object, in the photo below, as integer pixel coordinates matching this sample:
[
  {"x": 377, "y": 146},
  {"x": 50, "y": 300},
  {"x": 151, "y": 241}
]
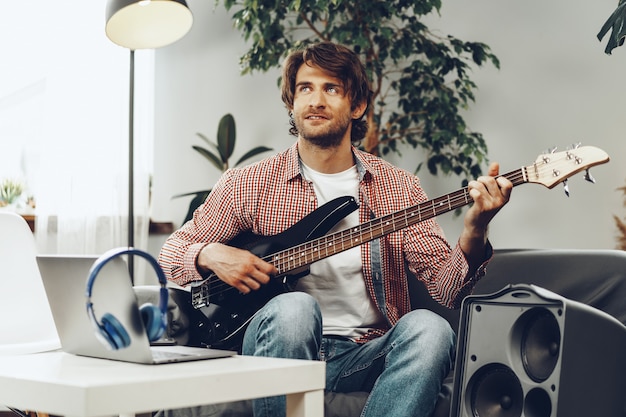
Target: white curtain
[{"x": 64, "y": 98}]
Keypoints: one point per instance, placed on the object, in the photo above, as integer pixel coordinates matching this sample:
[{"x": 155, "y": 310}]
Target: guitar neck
[{"x": 300, "y": 256}]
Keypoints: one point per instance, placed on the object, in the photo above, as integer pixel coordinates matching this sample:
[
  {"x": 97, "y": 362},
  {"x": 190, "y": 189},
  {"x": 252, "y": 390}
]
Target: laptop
[{"x": 65, "y": 278}]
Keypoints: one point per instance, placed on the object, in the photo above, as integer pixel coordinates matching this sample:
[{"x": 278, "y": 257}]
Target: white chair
[{"x": 27, "y": 325}]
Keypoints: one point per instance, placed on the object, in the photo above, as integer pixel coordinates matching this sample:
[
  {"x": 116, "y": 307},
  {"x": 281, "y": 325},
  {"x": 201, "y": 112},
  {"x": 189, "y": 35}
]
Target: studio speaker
[{"x": 527, "y": 352}]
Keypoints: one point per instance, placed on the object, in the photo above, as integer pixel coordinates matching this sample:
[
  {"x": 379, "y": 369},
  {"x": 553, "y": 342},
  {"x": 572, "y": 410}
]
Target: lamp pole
[
  {"x": 131, "y": 165},
  {"x": 142, "y": 24}
]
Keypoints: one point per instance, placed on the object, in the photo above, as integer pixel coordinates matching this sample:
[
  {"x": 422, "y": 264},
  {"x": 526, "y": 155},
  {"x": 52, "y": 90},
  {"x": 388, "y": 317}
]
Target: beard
[{"x": 328, "y": 135}]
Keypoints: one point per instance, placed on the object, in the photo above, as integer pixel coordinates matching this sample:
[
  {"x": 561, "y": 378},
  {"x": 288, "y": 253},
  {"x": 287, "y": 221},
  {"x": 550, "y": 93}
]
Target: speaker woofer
[
  {"x": 540, "y": 344},
  {"x": 495, "y": 392}
]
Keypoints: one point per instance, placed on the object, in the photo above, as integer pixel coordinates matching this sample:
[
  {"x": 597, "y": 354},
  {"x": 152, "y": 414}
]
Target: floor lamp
[{"x": 143, "y": 24}]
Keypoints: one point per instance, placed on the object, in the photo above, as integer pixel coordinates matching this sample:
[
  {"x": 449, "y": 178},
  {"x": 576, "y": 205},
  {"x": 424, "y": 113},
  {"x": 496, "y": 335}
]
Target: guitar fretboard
[{"x": 314, "y": 250}]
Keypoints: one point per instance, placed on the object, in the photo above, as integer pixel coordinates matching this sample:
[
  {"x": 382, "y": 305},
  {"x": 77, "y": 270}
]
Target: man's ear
[{"x": 359, "y": 111}]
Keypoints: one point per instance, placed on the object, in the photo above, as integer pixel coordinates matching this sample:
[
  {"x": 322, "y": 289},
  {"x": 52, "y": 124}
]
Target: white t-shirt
[{"x": 337, "y": 282}]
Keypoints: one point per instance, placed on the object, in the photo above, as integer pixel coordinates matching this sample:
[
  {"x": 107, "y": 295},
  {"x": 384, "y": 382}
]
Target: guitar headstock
[{"x": 553, "y": 168}]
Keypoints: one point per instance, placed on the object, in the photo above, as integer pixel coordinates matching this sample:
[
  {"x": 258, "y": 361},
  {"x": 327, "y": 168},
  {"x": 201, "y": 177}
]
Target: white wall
[{"x": 555, "y": 87}]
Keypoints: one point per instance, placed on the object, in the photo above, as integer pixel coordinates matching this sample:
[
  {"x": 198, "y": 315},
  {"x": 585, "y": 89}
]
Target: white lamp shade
[{"x": 147, "y": 24}]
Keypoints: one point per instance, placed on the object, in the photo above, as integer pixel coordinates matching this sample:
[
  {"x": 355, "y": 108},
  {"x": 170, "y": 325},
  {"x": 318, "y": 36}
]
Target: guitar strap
[
  {"x": 375, "y": 251},
  {"x": 377, "y": 275}
]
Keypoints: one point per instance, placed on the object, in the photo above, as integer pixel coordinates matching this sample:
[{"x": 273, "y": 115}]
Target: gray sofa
[{"x": 594, "y": 277}]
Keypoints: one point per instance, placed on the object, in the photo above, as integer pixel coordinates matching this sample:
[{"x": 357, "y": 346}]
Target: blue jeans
[{"x": 403, "y": 370}]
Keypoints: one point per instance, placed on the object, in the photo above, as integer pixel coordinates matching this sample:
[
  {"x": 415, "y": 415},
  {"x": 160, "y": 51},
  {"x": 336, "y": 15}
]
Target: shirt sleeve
[
  {"x": 216, "y": 220},
  {"x": 442, "y": 268}
]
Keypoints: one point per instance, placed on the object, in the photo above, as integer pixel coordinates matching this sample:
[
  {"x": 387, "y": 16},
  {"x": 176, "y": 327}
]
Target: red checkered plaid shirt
[{"x": 271, "y": 195}]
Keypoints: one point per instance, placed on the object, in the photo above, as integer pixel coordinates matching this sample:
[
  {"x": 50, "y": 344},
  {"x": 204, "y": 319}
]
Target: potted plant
[{"x": 10, "y": 191}]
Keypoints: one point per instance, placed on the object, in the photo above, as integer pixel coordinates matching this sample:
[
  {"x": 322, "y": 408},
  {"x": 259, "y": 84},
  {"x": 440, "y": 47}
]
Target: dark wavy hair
[{"x": 338, "y": 61}]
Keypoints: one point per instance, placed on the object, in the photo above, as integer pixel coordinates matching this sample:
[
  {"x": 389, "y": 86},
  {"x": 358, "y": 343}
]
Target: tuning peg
[
  {"x": 571, "y": 155},
  {"x": 551, "y": 150},
  {"x": 566, "y": 187},
  {"x": 546, "y": 154},
  {"x": 589, "y": 177},
  {"x": 575, "y": 145}
]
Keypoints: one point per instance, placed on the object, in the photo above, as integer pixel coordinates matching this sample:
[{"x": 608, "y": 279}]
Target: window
[{"x": 64, "y": 123}]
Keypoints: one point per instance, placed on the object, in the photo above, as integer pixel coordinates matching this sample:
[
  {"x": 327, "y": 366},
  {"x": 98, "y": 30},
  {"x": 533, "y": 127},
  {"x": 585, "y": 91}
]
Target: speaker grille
[{"x": 540, "y": 343}]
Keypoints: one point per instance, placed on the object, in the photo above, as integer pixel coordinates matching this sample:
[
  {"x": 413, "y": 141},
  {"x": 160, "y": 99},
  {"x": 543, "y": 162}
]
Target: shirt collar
[
  {"x": 293, "y": 163},
  {"x": 363, "y": 166}
]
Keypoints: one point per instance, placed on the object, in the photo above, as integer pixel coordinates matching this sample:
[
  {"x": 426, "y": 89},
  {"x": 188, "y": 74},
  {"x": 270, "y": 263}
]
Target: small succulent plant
[{"x": 10, "y": 191}]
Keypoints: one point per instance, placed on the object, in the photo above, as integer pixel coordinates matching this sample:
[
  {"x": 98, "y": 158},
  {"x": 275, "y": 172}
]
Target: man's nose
[{"x": 317, "y": 99}]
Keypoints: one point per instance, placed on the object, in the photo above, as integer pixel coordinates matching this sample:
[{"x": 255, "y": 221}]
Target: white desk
[{"x": 67, "y": 385}]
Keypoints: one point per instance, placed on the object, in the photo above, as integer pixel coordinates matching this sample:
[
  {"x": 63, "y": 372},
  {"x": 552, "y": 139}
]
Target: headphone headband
[{"x": 118, "y": 333}]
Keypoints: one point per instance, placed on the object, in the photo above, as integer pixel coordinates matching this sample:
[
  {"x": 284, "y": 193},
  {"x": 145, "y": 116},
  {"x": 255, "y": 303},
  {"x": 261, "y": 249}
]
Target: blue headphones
[{"x": 109, "y": 329}]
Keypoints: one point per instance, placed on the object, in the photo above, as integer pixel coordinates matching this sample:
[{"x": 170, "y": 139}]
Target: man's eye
[{"x": 333, "y": 90}]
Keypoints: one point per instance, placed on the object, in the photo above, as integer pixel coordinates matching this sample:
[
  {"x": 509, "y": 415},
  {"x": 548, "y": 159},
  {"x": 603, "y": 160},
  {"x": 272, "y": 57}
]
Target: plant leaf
[
  {"x": 207, "y": 140},
  {"x": 195, "y": 203},
  {"x": 253, "y": 152},
  {"x": 215, "y": 160},
  {"x": 226, "y": 134},
  {"x": 191, "y": 193}
]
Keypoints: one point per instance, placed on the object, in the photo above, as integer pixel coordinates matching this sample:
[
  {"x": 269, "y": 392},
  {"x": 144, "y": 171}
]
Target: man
[{"x": 352, "y": 310}]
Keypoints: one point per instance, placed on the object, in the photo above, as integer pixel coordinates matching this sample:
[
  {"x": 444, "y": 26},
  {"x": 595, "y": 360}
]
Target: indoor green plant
[
  {"x": 10, "y": 191},
  {"x": 219, "y": 157},
  {"x": 420, "y": 80}
]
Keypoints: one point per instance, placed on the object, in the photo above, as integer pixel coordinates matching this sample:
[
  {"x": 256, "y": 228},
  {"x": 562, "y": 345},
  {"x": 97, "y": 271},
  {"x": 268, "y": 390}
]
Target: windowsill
[{"x": 155, "y": 228}]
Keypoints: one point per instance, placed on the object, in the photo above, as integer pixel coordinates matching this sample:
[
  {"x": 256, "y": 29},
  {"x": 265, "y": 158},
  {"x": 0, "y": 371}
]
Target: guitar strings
[{"x": 301, "y": 255}]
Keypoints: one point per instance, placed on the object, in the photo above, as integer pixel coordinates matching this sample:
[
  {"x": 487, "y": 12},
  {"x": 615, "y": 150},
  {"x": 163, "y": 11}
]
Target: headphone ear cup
[
  {"x": 110, "y": 330},
  {"x": 152, "y": 321},
  {"x": 113, "y": 332}
]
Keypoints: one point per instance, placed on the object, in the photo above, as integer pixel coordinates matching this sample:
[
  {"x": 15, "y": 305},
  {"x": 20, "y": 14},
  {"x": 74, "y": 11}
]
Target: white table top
[{"x": 64, "y": 384}]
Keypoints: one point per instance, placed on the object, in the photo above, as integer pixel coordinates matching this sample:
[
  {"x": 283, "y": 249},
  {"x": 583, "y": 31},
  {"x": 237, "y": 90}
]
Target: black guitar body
[{"x": 227, "y": 313}]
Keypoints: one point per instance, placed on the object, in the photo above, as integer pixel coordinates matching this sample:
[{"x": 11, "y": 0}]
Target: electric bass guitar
[{"x": 225, "y": 312}]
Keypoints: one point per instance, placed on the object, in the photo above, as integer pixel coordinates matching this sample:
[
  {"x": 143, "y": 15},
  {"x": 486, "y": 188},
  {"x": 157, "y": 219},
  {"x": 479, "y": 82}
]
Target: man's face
[{"x": 321, "y": 107}]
